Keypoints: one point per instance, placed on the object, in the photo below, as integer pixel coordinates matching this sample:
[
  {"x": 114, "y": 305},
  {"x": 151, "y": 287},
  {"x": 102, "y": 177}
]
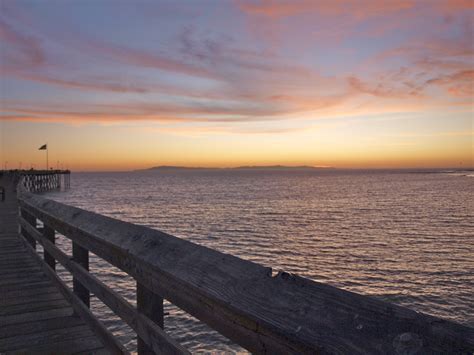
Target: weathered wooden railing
[{"x": 279, "y": 314}]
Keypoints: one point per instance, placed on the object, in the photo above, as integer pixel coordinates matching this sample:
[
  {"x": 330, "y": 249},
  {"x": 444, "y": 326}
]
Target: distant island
[{"x": 249, "y": 167}]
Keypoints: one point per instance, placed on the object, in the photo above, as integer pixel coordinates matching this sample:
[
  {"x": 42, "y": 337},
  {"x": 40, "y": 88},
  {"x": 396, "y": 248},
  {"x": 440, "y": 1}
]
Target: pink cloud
[
  {"x": 249, "y": 82},
  {"x": 459, "y": 84},
  {"x": 359, "y": 9},
  {"x": 26, "y": 49},
  {"x": 384, "y": 89},
  {"x": 145, "y": 59}
]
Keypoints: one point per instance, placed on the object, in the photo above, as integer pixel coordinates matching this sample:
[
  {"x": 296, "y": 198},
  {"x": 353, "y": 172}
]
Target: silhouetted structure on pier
[{"x": 42, "y": 180}]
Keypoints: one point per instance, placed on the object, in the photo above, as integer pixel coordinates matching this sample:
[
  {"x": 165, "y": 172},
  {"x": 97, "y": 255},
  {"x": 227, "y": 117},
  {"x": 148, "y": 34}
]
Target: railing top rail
[
  {"x": 42, "y": 172},
  {"x": 241, "y": 299}
]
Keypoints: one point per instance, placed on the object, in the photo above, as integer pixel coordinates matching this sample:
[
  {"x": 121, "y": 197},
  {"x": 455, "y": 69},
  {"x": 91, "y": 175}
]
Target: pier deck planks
[{"x": 34, "y": 315}]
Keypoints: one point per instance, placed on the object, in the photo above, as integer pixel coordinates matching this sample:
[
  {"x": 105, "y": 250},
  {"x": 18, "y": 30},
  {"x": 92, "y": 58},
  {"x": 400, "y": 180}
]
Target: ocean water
[{"x": 403, "y": 237}]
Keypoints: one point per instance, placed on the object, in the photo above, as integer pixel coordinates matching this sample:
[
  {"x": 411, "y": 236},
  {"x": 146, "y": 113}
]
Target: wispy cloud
[
  {"x": 460, "y": 83},
  {"x": 197, "y": 73},
  {"x": 360, "y": 9},
  {"x": 23, "y": 50}
]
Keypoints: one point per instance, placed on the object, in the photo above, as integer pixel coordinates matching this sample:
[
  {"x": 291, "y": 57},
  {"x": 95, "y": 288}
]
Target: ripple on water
[{"x": 394, "y": 236}]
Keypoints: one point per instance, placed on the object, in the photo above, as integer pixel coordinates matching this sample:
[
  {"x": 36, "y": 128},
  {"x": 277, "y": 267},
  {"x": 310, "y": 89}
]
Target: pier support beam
[
  {"x": 31, "y": 220},
  {"x": 151, "y": 305},
  {"x": 49, "y": 234},
  {"x": 81, "y": 256}
]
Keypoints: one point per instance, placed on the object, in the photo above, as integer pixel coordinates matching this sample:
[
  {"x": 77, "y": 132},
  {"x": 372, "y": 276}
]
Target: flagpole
[{"x": 47, "y": 163}]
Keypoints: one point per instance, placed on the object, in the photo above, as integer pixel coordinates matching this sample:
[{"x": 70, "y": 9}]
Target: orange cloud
[
  {"x": 355, "y": 8},
  {"x": 459, "y": 84},
  {"x": 382, "y": 89}
]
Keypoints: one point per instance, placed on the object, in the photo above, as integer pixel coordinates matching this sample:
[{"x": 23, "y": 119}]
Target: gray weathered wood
[
  {"x": 81, "y": 256},
  {"x": 151, "y": 305},
  {"x": 151, "y": 333},
  {"x": 82, "y": 310},
  {"x": 41, "y": 338},
  {"x": 49, "y": 234},
  {"x": 38, "y": 326},
  {"x": 6, "y": 283},
  {"x": 27, "y": 286},
  {"x": 32, "y": 220},
  {"x": 265, "y": 314},
  {"x": 21, "y": 292},
  {"x": 80, "y": 344},
  {"x": 5, "y": 302},
  {"x": 33, "y": 307},
  {"x": 42, "y": 315},
  {"x": 29, "y": 316}
]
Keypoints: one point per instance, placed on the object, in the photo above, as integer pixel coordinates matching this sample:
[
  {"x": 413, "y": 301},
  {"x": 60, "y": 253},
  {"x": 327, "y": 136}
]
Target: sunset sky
[{"x": 116, "y": 85}]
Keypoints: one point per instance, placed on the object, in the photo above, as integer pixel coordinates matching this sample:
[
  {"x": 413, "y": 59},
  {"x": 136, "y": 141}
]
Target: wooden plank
[
  {"x": 88, "y": 345},
  {"x": 32, "y": 285},
  {"x": 30, "y": 264},
  {"x": 20, "y": 261},
  {"x": 43, "y": 338},
  {"x": 33, "y": 307},
  {"x": 283, "y": 314},
  {"x": 82, "y": 310},
  {"x": 93, "y": 351},
  {"x": 7, "y": 238},
  {"x": 31, "y": 274},
  {"x": 8, "y": 247},
  {"x": 23, "y": 264},
  {"x": 20, "y": 281},
  {"x": 21, "y": 292},
  {"x": 13, "y": 254},
  {"x": 22, "y": 275},
  {"x": 18, "y": 271},
  {"x": 38, "y": 315},
  {"x": 51, "y": 296},
  {"x": 39, "y": 326},
  {"x": 12, "y": 260},
  {"x": 9, "y": 270},
  {"x": 150, "y": 332},
  {"x": 7, "y": 241}
]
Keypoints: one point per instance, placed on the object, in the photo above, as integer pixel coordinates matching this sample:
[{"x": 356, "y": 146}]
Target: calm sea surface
[{"x": 406, "y": 238}]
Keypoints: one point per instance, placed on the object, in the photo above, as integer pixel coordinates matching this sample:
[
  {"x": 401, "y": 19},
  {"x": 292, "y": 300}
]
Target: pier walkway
[
  {"x": 34, "y": 315},
  {"x": 263, "y": 311}
]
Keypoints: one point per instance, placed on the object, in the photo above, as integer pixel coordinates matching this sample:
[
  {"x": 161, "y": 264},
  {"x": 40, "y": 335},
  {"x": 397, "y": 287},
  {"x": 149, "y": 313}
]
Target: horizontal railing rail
[{"x": 278, "y": 314}]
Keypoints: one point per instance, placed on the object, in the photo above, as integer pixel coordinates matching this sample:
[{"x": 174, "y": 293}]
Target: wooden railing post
[
  {"x": 31, "y": 220},
  {"x": 151, "y": 305},
  {"x": 49, "y": 234},
  {"x": 81, "y": 256}
]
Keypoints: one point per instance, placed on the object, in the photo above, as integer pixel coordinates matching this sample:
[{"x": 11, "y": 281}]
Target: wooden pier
[
  {"x": 44, "y": 180},
  {"x": 262, "y": 311},
  {"x": 35, "y": 317}
]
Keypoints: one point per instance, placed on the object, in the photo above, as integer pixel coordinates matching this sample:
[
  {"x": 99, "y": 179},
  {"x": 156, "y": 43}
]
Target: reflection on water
[{"x": 405, "y": 238}]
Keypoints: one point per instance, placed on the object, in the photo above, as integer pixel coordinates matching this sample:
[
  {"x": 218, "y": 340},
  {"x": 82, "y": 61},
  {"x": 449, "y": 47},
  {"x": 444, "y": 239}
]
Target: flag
[{"x": 43, "y": 147}]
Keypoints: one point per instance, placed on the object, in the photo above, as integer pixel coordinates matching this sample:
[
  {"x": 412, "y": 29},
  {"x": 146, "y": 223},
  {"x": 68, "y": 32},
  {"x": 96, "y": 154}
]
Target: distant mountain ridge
[
  {"x": 280, "y": 167},
  {"x": 247, "y": 167}
]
